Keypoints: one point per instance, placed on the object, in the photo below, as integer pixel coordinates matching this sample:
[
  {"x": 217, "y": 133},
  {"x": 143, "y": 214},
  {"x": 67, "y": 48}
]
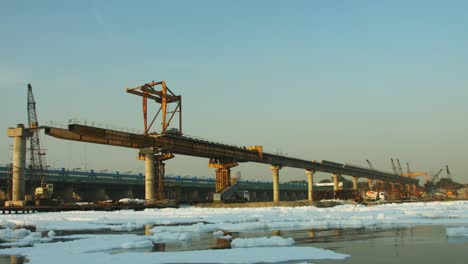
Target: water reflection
[
  {"x": 16, "y": 260},
  {"x": 159, "y": 247},
  {"x": 276, "y": 233},
  {"x": 4, "y": 259},
  {"x": 147, "y": 230},
  {"x": 222, "y": 244}
]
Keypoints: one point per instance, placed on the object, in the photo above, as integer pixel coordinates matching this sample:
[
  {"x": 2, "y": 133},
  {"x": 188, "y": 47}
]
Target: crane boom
[
  {"x": 449, "y": 175},
  {"x": 394, "y": 167},
  {"x": 37, "y": 161},
  {"x": 436, "y": 176},
  {"x": 400, "y": 170},
  {"x": 370, "y": 164}
]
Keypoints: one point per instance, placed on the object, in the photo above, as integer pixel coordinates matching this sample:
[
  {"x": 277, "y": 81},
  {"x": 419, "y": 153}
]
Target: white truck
[{"x": 375, "y": 196}]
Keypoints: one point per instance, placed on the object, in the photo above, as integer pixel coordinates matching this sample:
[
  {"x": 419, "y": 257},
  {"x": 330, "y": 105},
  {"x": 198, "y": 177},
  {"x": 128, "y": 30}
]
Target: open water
[{"x": 420, "y": 244}]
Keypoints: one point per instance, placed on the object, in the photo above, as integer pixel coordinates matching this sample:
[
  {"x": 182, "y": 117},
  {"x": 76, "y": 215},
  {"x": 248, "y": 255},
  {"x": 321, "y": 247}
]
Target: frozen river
[{"x": 393, "y": 233}]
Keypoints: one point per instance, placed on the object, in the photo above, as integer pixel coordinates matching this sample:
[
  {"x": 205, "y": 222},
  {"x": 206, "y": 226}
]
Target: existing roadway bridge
[{"x": 75, "y": 185}]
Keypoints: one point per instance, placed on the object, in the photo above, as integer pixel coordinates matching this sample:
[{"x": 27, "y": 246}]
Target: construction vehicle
[
  {"x": 258, "y": 149},
  {"x": 375, "y": 196},
  {"x": 44, "y": 192}
]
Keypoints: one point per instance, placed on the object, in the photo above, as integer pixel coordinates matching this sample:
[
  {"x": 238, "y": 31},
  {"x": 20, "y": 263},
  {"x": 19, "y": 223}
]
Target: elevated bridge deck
[{"x": 200, "y": 148}]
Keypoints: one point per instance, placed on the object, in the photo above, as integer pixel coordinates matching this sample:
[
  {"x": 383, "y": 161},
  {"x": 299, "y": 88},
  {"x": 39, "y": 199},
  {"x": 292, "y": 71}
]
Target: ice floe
[
  {"x": 261, "y": 242},
  {"x": 457, "y": 231}
]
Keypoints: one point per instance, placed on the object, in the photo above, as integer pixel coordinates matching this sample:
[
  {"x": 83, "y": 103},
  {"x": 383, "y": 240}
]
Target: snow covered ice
[{"x": 179, "y": 226}]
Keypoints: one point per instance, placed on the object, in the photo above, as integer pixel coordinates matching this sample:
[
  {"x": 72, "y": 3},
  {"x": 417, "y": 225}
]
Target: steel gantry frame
[{"x": 164, "y": 97}]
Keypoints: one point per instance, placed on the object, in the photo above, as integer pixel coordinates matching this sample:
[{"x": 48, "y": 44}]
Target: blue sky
[{"x": 336, "y": 80}]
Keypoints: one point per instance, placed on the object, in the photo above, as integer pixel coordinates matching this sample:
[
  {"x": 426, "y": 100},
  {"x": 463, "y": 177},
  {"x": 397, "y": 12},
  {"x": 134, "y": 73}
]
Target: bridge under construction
[{"x": 156, "y": 146}]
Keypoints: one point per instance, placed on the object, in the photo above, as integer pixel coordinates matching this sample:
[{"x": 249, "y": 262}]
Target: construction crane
[
  {"x": 412, "y": 174},
  {"x": 394, "y": 167},
  {"x": 370, "y": 164},
  {"x": 436, "y": 176},
  {"x": 400, "y": 170},
  {"x": 449, "y": 175},
  {"x": 37, "y": 161},
  {"x": 42, "y": 191}
]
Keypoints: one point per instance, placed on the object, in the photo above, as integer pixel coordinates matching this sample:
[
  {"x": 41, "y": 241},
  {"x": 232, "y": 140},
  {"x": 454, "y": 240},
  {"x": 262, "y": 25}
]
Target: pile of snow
[
  {"x": 242, "y": 219},
  {"x": 23, "y": 237},
  {"x": 166, "y": 237},
  {"x": 261, "y": 242},
  {"x": 457, "y": 231},
  {"x": 218, "y": 233},
  {"x": 131, "y": 201},
  {"x": 138, "y": 244},
  {"x": 130, "y": 226}
]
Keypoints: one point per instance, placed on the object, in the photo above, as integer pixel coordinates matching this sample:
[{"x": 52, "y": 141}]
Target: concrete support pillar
[
  {"x": 355, "y": 185},
  {"x": 253, "y": 196},
  {"x": 19, "y": 136},
  {"x": 392, "y": 186},
  {"x": 335, "y": 182},
  {"x": 195, "y": 196},
  {"x": 369, "y": 182},
  {"x": 407, "y": 188},
  {"x": 310, "y": 184},
  {"x": 293, "y": 196},
  {"x": 149, "y": 177},
  {"x": 275, "y": 169},
  {"x": 415, "y": 189}
]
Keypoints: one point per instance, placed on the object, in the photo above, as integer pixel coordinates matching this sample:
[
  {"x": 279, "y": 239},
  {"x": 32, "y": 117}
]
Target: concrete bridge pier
[
  {"x": 310, "y": 184},
  {"x": 149, "y": 177},
  {"x": 355, "y": 183},
  {"x": 253, "y": 196},
  {"x": 335, "y": 182},
  {"x": 371, "y": 185},
  {"x": 65, "y": 193},
  {"x": 195, "y": 196},
  {"x": 293, "y": 196},
  {"x": 408, "y": 188},
  {"x": 275, "y": 169},
  {"x": 19, "y": 135}
]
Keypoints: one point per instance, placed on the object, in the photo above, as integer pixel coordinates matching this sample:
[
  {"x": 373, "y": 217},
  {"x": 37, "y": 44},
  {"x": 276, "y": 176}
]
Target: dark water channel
[{"x": 422, "y": 244}]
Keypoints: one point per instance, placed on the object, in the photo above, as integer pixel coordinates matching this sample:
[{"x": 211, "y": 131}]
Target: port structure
[{"x": 159, "y": 146}]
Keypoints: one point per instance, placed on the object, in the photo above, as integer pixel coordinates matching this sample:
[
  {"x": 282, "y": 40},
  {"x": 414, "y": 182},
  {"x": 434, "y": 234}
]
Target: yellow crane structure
[{"x": 399, "y": 170}]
